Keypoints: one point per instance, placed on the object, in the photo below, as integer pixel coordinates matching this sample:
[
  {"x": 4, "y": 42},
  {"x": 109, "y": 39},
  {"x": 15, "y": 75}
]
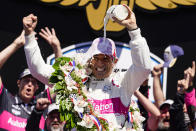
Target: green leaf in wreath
[
  {"x": 62, "y": 116},
  {"x": 57, "y": 87},
  {"x": 72, "y": 122},
  {"x": 53, "y": 79}
]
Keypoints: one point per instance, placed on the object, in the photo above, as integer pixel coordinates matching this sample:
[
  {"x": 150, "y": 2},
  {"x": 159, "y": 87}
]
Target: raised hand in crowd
[
  {"x": 35, "y": 117},
  {"x": 156, "y": 72},
  {"x": 7, "y": 52},
  {"x": 191, "y": 72},
  {"x": 186, "y": 86},
  {"x": 157, "y": 91},
  {"x": 53, "y": 41},
  {"x": 130, "y": 22},
  {"x": 20, "y": 40},
  {"x": 42, "y": 103},
  {"x": 29, "y": 24},
  {"x": 183, "y": 84}
]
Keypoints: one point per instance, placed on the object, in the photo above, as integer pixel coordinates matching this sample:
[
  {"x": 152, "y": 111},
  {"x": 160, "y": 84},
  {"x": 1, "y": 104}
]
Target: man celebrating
[
  {"x": 109, "y": 92},
  {"x": 14, "y": 110}
]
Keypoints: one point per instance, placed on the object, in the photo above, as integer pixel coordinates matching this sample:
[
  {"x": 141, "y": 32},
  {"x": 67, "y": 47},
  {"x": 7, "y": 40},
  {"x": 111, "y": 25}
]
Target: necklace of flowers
[
  {"x": 69, "y": 80},
  {"x": 135, "y": 119}
]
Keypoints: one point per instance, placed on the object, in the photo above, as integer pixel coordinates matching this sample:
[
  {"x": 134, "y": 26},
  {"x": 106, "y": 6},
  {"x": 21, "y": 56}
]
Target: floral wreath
[
  {"x": 69, "y": 80},
  {"x": 135, "y": 119}
]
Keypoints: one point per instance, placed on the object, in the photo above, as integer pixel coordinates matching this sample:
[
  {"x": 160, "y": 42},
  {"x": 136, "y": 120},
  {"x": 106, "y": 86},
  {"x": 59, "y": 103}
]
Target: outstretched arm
[
  {"x": 39, "y": 69},
  {"x": 51, "y": 38},
  {"x": 8, "y": 51},
  {"x": 157, "y": 91}
]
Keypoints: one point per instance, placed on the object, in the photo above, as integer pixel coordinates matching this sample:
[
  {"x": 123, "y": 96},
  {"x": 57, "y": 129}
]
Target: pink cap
[{"x": 101, "y": 46}]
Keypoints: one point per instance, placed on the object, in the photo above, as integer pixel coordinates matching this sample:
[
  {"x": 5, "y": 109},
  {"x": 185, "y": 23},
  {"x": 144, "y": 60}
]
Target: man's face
[
  {"x": 101, "y": 66},
  {"x": 165, "y": 118},
  {"x": 53, "y": 121},
  {"x": 27, "y": 88}
]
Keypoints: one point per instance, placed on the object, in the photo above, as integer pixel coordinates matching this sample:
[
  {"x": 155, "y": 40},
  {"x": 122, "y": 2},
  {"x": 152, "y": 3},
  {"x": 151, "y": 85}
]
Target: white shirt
[{"x": 110, "y": 97}]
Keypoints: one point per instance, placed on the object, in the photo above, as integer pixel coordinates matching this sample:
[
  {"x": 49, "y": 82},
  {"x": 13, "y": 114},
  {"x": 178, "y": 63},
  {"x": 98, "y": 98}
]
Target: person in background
[
  {"x": 14, "y": 110},
  {"x": 187, "y": 88},
  {"x": 172, "y": 111},
  {"x": 53, "y": 122}
]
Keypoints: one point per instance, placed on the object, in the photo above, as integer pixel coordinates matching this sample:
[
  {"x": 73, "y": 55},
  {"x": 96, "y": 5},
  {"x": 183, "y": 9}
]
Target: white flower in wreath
[
  {"x": 81, "y": 73},
  {"x": 86, "y": 122},
  {"x": 79, "y": 58},
  {"x": 79, "y": 104},
  {"x": 134, "y": 105},
  {"x": 137, "y": 117},
  {"x": 70, "y": 83},
  {"x": 66, "y": 68}
]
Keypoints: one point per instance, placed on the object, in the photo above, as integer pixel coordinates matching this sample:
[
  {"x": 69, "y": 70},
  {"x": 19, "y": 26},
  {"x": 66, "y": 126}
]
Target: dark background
[{"x": 161, "y": 28}]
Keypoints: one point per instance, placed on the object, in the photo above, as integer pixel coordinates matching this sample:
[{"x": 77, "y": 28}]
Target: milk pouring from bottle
[{"x": 118, "y": 11}]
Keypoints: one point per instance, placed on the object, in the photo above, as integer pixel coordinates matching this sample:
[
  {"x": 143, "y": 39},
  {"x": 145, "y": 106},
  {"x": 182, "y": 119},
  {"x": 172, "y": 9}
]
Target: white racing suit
[{"x": 111, "y": 96}]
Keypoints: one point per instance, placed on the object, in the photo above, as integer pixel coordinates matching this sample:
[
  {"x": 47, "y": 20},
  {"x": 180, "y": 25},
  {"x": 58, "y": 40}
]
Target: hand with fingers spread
[
  {"x": 51, "y": 38},
  {"x": 42, "y": 103},
  {"x": 183, "y": 84},
  {"x": 130, "y": 22},
  {"x": 29, "y": 24},
  {"x": 156, "y": 72},
  {"x": 191, "y": 72},
  {"x": 20, "y": 40}
]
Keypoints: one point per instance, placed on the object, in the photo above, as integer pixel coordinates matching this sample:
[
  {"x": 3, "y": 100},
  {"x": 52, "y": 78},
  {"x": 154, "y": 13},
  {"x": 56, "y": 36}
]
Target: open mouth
[
  {"x": 166, "y": 120},
  {"x": 56, "y": 125},
  {"x": 100, "y": 69},
  {"x": 28, "y": 94}
]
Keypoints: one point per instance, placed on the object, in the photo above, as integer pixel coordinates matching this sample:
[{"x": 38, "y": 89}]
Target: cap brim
[
  {"x": 168, "y": 102},
  {"x": 170, "y": 64}
]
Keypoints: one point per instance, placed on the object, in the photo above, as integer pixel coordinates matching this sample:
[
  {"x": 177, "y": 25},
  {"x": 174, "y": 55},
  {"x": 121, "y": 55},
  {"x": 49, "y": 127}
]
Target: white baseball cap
[
  {"x": 52, "y": 107},
  {"x": 102, "y": 46},
  {"x": 26, "y": 72},
  {"x": 168, "y": 102}
]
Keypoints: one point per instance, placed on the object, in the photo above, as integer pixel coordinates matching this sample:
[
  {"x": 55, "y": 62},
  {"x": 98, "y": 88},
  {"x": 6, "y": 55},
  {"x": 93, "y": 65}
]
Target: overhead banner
[
  {"x": 124, "y": 62},
  {"x": 96, "y": 9}
]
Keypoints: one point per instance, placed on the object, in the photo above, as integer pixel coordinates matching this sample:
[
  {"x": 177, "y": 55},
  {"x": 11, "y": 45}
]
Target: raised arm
[
  {"x": 140, "y": 53},
  {"x": 151, "y": 108},
  {"x": 53, "y": 41},
  {"x": 186, "y": 85},
  {"x": 157, "y": 91},
  {"x": 35, "y": 117},
  {"x": 147, "y": 104},
  {"x": 8, "y": 51},
  {"x": 39, "y": 69}
]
